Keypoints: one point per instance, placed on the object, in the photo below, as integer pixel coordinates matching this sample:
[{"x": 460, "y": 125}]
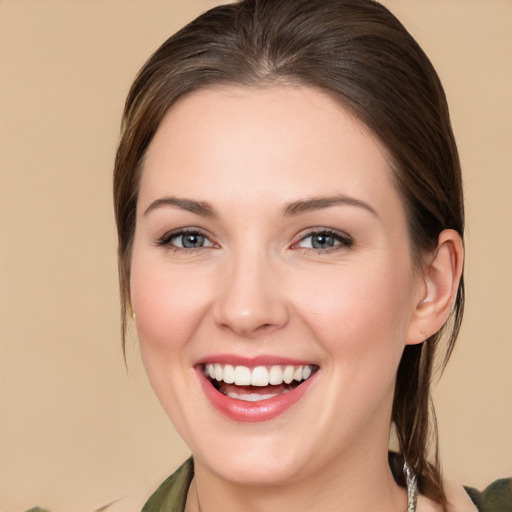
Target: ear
[{"x": 437, "y": 288}]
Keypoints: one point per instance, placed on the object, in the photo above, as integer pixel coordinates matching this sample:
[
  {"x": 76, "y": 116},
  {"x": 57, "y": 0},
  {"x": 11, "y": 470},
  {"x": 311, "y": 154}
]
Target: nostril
[{"x": 266, "y": 327}]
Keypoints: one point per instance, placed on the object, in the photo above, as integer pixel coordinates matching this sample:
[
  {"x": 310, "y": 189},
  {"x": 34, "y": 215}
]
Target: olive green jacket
[{"x": 171, "y": 496}]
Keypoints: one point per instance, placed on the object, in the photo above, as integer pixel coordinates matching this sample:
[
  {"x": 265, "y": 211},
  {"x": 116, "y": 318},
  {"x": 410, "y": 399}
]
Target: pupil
[
  {"x": 193, "y": 240},
  {"x": 321, "y": 241}
]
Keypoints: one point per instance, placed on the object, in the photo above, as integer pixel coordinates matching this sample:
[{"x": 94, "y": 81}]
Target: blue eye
[
  {"x": 186, "y": 240},
  {"x": 324, "y": 240}
]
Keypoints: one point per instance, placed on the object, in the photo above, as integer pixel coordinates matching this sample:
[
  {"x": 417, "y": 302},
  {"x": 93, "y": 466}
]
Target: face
[{"x": 272, "y": 281}]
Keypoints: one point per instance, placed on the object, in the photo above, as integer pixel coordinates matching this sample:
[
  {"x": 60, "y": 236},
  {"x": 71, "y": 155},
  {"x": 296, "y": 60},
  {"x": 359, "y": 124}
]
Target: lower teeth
[{"x": 254, "y": 397}]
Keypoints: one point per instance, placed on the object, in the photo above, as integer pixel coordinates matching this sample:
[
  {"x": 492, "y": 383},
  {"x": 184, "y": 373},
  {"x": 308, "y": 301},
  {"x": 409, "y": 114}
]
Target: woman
[{"x": 289, "y": 208}]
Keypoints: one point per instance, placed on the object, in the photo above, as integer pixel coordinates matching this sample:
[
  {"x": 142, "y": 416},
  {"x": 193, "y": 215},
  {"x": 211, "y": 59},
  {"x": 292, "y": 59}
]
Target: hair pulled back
[{"x": 358, "y": 52}]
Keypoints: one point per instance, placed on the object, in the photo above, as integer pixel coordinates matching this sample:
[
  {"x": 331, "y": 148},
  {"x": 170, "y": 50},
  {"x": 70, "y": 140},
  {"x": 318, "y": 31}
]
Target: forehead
[{"x": 274, "y": 143}]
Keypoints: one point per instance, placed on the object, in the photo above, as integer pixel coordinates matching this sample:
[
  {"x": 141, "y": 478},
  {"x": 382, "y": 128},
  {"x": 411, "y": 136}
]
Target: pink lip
[
  {"x": 249, "y": 412},
  {"x": 251, "y": 361}
]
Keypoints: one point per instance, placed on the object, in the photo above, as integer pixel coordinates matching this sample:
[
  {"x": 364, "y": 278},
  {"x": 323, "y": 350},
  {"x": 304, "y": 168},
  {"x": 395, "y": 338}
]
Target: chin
[{"x": 258, "y": 467}]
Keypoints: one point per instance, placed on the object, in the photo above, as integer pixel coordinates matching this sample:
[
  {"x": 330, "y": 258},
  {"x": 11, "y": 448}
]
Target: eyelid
[
  {"x": 169, "y": 235},
  {"x": 344, "y": 239}
]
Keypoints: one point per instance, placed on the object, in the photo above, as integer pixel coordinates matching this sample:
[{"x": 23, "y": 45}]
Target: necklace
[{"x": 410, "y": 478}]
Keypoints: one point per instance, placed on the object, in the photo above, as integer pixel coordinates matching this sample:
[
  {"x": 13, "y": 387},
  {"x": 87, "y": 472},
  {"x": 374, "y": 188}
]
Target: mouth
[{"x": 258, "y": 383}]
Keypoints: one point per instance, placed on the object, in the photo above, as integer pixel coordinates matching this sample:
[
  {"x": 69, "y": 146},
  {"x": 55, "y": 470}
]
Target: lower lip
[{"x": 249, "y": 412}]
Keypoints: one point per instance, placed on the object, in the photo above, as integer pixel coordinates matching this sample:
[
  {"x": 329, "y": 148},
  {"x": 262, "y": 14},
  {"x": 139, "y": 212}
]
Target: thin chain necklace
[{"x": 412, "y": 489}]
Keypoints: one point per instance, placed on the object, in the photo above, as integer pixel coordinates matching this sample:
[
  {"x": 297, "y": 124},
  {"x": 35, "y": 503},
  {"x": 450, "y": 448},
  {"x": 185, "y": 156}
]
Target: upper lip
[{"x": 261, "y": 360}]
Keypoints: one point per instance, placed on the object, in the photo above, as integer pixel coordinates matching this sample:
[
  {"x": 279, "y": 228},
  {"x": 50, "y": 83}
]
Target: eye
[
  {"x": 324, "y": 240},
  {"x": 186, "y": 239}
]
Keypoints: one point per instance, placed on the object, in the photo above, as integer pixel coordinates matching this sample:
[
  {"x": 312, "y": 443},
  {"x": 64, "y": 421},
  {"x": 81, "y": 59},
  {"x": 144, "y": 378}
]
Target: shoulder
[
  {"x": 497, "y": 497},
  {"x": 171, "y": 495}
]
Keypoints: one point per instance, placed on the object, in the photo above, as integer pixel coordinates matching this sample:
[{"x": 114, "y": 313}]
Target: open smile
[
  {"x": 249, "y": 393},
  {"x": 258, "y": 383}
]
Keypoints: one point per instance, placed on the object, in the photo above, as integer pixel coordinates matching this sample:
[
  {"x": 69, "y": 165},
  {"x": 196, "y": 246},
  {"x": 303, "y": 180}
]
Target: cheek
[
  {"x": 169, "y": 306},
  {"x": 359, "y": 310}
]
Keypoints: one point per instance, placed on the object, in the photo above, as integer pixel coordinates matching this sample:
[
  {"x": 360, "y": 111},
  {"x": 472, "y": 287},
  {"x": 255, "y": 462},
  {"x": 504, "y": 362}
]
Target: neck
[{"x": 357, "y": 482}]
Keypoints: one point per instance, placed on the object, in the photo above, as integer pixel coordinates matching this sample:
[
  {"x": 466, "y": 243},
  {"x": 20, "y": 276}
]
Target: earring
[
  {"x": 132, "y": 314},
  {"x": 412, "y": 488}
]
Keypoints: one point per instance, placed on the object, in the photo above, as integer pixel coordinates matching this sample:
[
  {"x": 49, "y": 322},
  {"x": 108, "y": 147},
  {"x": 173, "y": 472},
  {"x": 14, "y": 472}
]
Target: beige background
[{"x": 76, "y": 429}]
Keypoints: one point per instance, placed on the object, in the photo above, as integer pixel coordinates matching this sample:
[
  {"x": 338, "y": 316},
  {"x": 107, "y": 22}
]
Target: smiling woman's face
[{"x": 271, "y": 243}]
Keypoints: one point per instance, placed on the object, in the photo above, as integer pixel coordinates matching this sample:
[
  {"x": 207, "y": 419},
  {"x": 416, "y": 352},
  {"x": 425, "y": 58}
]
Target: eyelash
[
  {"x": 165, "y": 240},
  {"x": 341, "y": 240}
]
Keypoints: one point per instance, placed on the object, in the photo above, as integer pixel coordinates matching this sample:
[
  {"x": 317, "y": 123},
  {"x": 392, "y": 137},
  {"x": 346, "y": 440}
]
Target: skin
[{"x": 258, "y": 287}]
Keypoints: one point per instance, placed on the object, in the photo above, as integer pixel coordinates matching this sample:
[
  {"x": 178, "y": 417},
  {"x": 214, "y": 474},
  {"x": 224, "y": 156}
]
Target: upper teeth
[{"x": 257, "y": 376}]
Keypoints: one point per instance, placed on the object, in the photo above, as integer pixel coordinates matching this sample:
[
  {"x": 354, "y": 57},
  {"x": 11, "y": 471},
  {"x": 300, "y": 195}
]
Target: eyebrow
[
  {"x": 205, "y": 209},
  {"x": 318, "y": 203},
  {"x": 201, "y": 208}
]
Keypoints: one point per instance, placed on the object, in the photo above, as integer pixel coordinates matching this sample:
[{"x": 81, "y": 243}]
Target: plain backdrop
[{"x": 77, "y": 430}]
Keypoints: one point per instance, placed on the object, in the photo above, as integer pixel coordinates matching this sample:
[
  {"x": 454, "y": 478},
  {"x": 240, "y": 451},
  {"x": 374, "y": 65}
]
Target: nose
[{"x": 251, "y": 300}]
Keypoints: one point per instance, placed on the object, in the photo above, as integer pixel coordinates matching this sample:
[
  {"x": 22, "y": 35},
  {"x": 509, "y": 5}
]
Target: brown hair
[{"x": 358, "y": 52}]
